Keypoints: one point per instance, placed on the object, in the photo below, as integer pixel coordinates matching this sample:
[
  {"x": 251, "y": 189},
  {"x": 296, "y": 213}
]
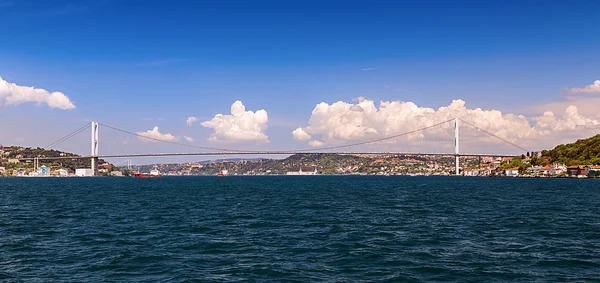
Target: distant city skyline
[{"x": 297, "y": 74}]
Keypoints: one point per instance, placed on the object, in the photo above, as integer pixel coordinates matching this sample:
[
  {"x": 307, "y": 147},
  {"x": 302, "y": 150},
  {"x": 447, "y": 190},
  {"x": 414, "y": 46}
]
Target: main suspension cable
[
  {"x": 175, "y": 143},
  {"x": 61, "y": 140},
  {"x": 495, "y": 136}
]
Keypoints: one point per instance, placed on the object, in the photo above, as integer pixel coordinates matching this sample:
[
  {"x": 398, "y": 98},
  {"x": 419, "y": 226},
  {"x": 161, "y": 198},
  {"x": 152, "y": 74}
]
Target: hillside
[
  {"x": 10, "y": 154},
  {"x": 324, "y": 163},
  {"x": 584, "y": 151}
]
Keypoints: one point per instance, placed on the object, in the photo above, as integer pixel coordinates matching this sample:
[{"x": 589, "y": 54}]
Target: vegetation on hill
[
  {"x": 581, "y": 152},
  {"x": 516, "y": 162}
]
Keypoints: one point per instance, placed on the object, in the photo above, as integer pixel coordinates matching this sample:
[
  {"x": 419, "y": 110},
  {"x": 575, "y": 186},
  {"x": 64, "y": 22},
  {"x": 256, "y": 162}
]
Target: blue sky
[{"x": 124, "y": 62}]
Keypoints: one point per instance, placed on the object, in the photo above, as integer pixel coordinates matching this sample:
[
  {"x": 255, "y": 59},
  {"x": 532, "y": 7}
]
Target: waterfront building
[{"x": 512, "y": 172}]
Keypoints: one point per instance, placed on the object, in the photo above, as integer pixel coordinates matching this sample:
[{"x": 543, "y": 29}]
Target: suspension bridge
[{"x": 441, "y": 129}]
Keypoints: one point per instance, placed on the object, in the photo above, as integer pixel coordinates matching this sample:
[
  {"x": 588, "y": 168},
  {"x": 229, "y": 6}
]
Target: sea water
[{"x": 299, "y": 229}]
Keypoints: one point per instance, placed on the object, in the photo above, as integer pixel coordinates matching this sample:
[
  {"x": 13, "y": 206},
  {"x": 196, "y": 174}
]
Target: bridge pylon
[
  {"x": 94, "y": 155},
  {"x": 456, "y": 148}
]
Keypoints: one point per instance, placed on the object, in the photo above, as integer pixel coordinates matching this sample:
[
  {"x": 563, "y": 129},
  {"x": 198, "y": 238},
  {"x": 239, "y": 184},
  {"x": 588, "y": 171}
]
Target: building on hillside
[
  {"x": 560, "y": 169},
  {"x": 545, "y": 171},
  {"x": 104, "y": 167},
  {"x": 43, "y": 171},
  {"x": 535, "y": 170},
  {"x": 593, "y": 171},
  {"x": 20, "y": 172},
  {"x": 2, "y": 171},
  {"x": 577, "y": 171},
  {"x": 470, "y": 172},
  {"x": 485, "y": 171},
  {"x": 552, "y": 170},
  {"x": 60, "y": 172},
  {"x": 512, "y": 172}
]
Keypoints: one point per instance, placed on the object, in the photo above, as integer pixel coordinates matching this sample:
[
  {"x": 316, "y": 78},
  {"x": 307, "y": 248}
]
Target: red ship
[{"x": 153, "y": 174}]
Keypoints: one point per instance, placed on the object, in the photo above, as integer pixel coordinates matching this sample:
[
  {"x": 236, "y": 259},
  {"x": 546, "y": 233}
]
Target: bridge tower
[
  {"x": 94, "y": 154},
  {"x": 456, "y": 152}
]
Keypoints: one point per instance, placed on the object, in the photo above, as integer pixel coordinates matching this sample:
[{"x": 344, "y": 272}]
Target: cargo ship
[{"x": 154, "y": 173}]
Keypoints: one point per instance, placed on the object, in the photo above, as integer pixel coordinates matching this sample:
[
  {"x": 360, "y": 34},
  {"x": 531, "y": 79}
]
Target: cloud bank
[
  {"x": 13, "y": 94},
  {"x": 341, "y": 121},
  {"x": 155, "y": 134},
  {"x": 188, "y": 139},
  {"x": 241, "y": 125}
]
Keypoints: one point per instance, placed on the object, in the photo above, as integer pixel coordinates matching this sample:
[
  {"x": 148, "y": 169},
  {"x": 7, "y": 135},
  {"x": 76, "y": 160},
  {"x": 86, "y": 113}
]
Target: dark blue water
[{"x": 333, "y": 229}]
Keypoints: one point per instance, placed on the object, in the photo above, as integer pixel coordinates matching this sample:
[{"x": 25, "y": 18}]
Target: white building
[
  {"x": 300, "y": 172},
  {"x": 84, "y": 172},
  {"x": 512, "y": 172},
  {"x": 62, "y": 172}
]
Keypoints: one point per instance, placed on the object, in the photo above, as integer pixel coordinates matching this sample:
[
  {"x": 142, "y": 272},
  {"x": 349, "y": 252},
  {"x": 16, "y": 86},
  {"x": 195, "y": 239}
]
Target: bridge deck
[{"x": 259, "y": 153}]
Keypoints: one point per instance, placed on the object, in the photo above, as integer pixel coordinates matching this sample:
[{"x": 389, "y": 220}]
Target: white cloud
[
  {"x": 189, "y": 139},
  {"x": 190, "y": 120},
  {"x": 300, "y": 134},
  {"x": 155, "y": 134},
  {"x": 315, "y": 143},
  {"x": 595, "y": 87},
  {"x": 13, "y": 94},
  {"x": 369, "y": 69},
  {"x": 241, "y": 125},
  {"x": 342, "y": 121}
]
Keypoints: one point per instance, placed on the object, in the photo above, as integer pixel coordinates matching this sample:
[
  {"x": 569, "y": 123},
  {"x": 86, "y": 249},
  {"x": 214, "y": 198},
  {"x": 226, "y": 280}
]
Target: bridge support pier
[
  {"x": 94, "y": 154},
  {"x": 456, "y": 151}
]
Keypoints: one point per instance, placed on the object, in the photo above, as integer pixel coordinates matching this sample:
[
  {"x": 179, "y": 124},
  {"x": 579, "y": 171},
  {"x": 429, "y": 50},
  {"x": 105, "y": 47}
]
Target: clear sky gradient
[{"x": 140, "y": 64}]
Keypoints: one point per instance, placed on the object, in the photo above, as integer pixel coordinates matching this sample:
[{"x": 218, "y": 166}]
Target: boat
[
  {"x": 154, "y": 173},
  {"x": 223, "y": 171}
]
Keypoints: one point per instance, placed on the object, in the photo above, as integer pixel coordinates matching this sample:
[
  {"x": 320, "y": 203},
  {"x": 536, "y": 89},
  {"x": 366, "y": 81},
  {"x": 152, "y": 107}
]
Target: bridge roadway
[{"x": 258, "y": 153}]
